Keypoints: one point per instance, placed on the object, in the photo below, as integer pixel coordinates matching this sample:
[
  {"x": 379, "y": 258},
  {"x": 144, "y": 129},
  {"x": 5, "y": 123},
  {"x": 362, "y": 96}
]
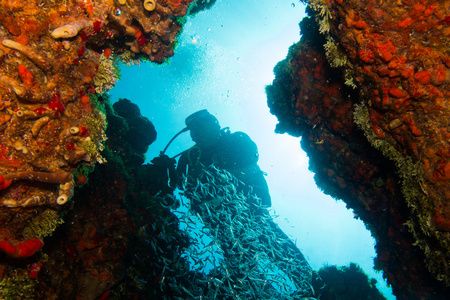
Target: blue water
[{"x": 223, "y": 61}]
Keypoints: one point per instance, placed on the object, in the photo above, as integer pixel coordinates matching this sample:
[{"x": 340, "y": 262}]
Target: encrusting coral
[
  {"x": 55, "y": 57},
  {"x": 43, "y": 225},
  {"x": 392, "y": 57},
  {"x": 17, "y": 286},
  {"x": 118, "y": 241},
  {"x": 397, "y": 53}
]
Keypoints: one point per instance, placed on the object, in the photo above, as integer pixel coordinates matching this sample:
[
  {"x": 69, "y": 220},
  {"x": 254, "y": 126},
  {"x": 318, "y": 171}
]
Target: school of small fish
[{"x": 251, "y": 244}]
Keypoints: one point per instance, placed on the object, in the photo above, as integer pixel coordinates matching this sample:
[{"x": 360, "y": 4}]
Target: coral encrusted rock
[
  {"x": 330, "y": 91},
  {"x": 55, "y": 59}
]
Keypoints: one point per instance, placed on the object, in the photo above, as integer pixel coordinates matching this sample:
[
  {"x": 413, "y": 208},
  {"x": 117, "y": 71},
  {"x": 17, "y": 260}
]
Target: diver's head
[{"x": 204, "y": 127}]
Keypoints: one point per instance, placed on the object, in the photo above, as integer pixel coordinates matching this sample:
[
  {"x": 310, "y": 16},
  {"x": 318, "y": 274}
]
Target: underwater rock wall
[
  {"x": 117, "y": 240},
  {"x": 347, "y": 283},
  {"x": 376, "y": 127},
  {"x": 56, "y": 58}
]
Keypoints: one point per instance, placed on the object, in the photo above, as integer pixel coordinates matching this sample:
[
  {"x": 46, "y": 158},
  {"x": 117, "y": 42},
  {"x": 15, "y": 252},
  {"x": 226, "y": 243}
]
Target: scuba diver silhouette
[
  {"x": 255, "y": 230},
  {"x": 233, "y": 152}
]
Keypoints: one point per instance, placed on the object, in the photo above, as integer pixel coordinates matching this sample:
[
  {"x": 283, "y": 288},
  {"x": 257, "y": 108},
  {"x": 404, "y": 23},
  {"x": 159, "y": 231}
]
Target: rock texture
[
  {"x": 367, "y": 89},
  {"x": 119, "y": 240},
  {"x": 56, "y": 59},
  {"x": 116, "y": 241}
]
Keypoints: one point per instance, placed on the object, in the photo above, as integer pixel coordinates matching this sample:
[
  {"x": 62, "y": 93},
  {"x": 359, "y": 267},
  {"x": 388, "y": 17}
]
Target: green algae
[
  {"x": 17, "y": 286},
  {"x": 43, "y": 225}
]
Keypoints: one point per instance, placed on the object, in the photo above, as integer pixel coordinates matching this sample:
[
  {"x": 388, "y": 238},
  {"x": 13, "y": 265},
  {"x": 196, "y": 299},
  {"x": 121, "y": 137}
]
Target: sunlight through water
[{"x": 223, "y": 61}]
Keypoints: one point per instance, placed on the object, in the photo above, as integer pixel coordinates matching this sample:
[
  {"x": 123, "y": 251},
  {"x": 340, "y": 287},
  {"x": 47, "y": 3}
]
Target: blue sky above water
[{"x": 223, "y": 61}]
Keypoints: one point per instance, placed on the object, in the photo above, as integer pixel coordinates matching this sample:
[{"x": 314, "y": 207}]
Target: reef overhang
[{"x": 367, "y": 89}]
